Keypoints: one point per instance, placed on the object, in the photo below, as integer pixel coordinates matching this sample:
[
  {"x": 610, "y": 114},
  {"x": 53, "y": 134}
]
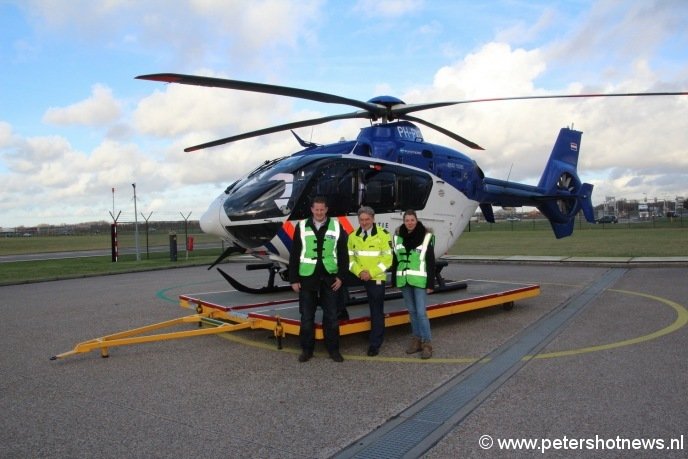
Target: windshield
[{"x": 269, "y": 190}]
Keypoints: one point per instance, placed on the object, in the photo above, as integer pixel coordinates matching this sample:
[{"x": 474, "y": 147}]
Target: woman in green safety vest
[{"x": 414, "y": 273}]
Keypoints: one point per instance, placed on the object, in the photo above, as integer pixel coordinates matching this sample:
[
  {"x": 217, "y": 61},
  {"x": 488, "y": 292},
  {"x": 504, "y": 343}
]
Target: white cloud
[
  {"x": 6, "y": 135},
  {"x": 99, "y": 109},
  {"x": 494, "y": 69}
]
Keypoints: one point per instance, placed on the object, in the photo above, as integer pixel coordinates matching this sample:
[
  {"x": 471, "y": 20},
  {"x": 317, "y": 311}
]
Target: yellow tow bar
[{"x": 133, "y": 336}]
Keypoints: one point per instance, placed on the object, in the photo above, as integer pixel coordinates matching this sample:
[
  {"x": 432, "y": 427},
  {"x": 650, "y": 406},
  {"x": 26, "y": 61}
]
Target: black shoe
[
  {"x": 305, "y": 356},
  {"x": 372, "y": 351},
  {"x": 336, "y": 356}
]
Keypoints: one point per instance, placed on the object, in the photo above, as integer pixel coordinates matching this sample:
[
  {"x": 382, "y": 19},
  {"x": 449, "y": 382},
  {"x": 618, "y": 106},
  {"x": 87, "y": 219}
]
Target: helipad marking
[
  {"x": 162, "y": 293},
  {"x": 681, "y": 321}
]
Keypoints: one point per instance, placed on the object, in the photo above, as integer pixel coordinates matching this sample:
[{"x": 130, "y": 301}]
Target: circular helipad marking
[
  {"x": 681, "y": 321},
  {"x": 162, "y": 293}
]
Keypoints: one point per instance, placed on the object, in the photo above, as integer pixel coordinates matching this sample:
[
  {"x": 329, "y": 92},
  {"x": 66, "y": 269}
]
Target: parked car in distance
[{"x": 608, "y": 219}]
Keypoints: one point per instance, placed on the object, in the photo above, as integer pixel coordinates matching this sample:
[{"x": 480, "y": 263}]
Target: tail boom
[{"x": 559, "y": 196}]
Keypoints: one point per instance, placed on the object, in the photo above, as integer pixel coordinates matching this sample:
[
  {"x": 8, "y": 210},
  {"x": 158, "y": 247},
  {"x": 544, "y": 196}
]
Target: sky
[{"x": 74, "y": 123}]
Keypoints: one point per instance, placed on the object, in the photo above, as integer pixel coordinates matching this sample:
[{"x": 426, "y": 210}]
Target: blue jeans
[
  {"x": 376, "y": 299},
  {"x": 415, "y": 299},
  {"x": 308, "y": 303}
]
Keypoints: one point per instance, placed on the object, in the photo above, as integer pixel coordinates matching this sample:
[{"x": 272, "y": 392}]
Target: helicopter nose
[{"x": 212, "y": 221}]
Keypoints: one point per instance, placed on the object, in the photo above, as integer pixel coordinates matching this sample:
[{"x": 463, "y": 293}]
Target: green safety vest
[
  {"x": 411, "y": 267},
  {"x": 309, "y": 246}
]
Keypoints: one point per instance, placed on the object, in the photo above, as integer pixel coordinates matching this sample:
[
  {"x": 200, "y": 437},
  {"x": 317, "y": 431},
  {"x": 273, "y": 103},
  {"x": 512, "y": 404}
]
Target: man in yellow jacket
[{"x": 370, "y": 256}]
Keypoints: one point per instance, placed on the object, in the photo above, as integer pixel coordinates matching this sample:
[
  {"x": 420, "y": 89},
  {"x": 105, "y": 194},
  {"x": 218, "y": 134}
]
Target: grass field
[
  {"x": 46, "y": 244},
  {"x": 617, "y": 242},
  {"x": 667, "y": 239}
]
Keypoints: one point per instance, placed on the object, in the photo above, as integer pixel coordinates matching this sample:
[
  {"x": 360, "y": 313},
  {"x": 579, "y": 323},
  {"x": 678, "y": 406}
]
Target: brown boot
[
  {"x": 414, "y": 346},
  {"x": 427, "y": 350}
]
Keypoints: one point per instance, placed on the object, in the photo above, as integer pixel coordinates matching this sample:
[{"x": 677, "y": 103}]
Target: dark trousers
[
  {"x": 376, "y": 299},
  {"x": 308, "y": 303}
]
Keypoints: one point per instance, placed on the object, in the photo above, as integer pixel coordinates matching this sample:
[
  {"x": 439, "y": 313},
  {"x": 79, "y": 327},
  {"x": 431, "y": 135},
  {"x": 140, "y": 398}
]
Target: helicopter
[{"x": 388, "y": 167}]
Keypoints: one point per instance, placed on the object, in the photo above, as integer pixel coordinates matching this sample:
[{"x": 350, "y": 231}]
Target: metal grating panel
[{"x": 398, "y": 441}]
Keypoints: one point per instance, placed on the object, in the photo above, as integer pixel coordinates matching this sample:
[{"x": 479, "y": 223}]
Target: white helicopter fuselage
[{"x": 446, "y": 213}]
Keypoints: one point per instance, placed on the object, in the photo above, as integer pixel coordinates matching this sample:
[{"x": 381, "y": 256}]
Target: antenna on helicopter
[{"x": 509, "y": 174}]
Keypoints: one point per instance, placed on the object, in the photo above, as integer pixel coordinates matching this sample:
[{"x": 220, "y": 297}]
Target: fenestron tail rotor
[
  {"x": 566, "y": 183},
  {"x": 381, "y": 109}
]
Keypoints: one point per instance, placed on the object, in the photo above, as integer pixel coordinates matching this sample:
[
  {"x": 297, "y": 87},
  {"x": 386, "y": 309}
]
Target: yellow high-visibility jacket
[{"x": 374, "y": 254}]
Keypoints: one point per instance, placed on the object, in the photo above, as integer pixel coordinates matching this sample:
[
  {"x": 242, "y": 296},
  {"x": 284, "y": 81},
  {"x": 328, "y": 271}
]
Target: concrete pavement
[{"x": 617, "y": 369}]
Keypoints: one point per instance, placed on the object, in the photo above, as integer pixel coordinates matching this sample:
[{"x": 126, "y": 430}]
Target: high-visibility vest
[
  {"x": 411, "y": 267},
  {"x": 373, "y": 254},
  {"x": 309, "y": 248}
]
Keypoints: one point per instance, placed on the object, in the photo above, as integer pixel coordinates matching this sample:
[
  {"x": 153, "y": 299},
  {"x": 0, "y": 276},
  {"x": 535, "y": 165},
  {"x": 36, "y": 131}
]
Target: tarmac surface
[{"x": 595, "y": 366}]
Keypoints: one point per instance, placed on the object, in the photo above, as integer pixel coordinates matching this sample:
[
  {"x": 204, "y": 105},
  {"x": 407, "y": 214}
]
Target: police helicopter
[{"x": 389, "y": 167}]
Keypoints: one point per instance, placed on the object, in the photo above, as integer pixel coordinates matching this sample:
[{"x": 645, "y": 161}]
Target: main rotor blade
[
  {"x": 444, "y": 131},
  {"x": 571, "y": 96},
  {"x": 404, "y": 109},
  {"x": 281, "y": 127},
  {"x": 262, "y": 88}
]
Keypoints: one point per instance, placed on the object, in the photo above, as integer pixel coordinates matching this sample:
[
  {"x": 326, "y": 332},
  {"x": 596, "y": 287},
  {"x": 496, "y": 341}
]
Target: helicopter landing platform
[
  {"x": 227, "y": 311},
  {"x": 280, "y": 311}
]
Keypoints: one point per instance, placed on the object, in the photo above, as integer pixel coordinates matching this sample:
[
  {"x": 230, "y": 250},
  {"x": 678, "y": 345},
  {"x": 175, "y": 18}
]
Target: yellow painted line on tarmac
[
  {"x": 412, "y": 359},
  {"x": 681, "y": 321}
]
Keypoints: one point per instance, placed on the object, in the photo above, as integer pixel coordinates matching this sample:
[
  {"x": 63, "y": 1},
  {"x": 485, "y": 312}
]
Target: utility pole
[{"x": 136, "y": 226}]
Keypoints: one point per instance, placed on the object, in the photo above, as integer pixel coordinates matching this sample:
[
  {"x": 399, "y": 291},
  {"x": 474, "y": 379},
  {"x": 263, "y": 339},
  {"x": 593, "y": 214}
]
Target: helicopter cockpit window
[{"x": 269, "y": 191}]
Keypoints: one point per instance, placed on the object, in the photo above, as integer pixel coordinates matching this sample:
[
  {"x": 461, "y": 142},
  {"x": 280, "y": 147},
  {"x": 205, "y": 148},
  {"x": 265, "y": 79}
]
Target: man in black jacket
[{"x": 318, "y": 261}]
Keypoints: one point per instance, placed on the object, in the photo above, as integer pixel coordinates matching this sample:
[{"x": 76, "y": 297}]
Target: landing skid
[{"x": 270, "y": 288}]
